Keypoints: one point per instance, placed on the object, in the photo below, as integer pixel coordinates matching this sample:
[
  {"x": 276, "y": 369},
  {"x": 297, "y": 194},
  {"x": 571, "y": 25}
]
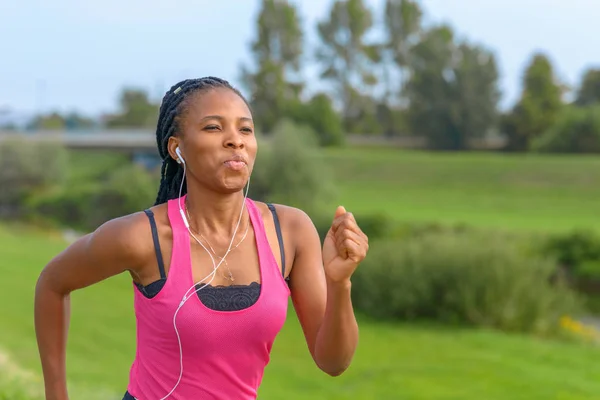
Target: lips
[{"x": 236, "y": 163}]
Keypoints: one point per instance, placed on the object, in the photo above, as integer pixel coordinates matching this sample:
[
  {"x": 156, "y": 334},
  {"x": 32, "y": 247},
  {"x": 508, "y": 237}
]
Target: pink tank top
[{"x": 224, "y": 352}]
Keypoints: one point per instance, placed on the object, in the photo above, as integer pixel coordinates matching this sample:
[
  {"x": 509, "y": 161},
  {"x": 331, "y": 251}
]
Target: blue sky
[{"x": 76, "y": 55}]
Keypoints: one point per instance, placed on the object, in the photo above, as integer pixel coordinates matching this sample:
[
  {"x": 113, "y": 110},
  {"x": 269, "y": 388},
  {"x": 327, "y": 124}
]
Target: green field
[
  {"x": 525, "y": 192},
  {"x": 506, "y": 191},
  {"x": 393, "y": 361},
  {"x": 400, "y": 361}
]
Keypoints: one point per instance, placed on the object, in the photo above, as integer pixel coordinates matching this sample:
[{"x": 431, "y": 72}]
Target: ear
[{"x": 173, "y": 143}]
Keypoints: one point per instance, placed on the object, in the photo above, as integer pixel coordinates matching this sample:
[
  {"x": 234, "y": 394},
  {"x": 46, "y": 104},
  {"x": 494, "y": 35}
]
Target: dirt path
[{"x": 593, "y": 321}]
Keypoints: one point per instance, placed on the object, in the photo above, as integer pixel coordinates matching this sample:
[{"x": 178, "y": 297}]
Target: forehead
[{"x": 218, "y": 101}]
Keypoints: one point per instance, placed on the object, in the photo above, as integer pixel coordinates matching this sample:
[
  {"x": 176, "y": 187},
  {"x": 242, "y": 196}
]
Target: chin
[{"x": 234, "y": 186}]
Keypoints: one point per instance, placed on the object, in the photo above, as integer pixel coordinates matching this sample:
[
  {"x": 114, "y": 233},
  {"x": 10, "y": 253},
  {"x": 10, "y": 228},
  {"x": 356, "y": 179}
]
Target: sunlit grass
[
  {"x": 524, "y": 192},
  {"x": 400, "y": 361}
]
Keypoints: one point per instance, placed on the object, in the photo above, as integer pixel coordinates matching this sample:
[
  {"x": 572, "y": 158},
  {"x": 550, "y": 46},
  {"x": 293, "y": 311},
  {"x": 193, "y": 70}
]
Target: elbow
[
  {"x": 334, "y": 364},
  {"x": 45, "y": 286},
  {"x": 334, "y": 370},
  {"x": 42, "y": 283}
]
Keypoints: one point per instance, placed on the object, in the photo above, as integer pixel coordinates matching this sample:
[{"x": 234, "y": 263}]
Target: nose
[{"x": 234, "y": 140}]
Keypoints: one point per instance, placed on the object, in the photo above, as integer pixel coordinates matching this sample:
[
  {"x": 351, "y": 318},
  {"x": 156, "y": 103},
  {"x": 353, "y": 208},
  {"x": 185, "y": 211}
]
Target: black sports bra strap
[
  {"x": 279, "y": 236},
  {"x": 159, "y": 257}
]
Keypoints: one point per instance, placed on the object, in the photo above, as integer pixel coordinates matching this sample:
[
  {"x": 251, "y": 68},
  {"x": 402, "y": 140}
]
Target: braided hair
[{"x": 174, "y": 105}]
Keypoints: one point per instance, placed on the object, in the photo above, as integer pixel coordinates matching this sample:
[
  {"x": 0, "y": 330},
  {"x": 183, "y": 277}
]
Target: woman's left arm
[{"x": 320, "y": 287}]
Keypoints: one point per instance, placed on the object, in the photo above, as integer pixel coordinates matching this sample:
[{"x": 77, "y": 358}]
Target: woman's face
[{"x": 217, "y": 140}]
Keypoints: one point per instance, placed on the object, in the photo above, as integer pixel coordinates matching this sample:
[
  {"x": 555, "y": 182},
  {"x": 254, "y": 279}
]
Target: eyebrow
[{"x": 245, "y": 119}]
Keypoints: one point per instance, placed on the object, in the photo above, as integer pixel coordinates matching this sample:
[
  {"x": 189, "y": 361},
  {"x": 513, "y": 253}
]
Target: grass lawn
[
  {"x": 524, "y": 192},
  {"x": 396, "y": 361}
]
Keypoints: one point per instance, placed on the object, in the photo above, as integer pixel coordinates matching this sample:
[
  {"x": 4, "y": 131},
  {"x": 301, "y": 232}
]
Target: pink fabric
[{"x": 224, "y": 352}]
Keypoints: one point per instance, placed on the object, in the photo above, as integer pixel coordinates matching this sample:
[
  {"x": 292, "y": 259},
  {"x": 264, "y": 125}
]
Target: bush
[
  {"x": 320, "y": 115},
  {"x": 375, "y": 226},
  {"x": 578, "y": 256},
  {"x": 463, "y": 278},
  {"x": 87, "y": 206},
  {"x": 380, "y": 226},
  {"x": 576, "y": 131},
  {"x": 574, "y": 248},
  {"x": 28, "y": 169},
  {"x": 287, "y": 172}
]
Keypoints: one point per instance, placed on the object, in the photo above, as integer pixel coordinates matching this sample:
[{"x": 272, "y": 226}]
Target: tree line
[{"x": 412, "y": 80}]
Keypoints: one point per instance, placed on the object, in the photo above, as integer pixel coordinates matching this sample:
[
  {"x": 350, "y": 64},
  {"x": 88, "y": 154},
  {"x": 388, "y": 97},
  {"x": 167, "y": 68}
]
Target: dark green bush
[
  {"x": 574, "y": 248},
  {"x": 576, "y": 131},
  {"x": 28, "y": 169},
  {"x": 86, "y": 206},
  {"x": 578, "y": 257},
  {"x": 463, "y": 278},
  {"x": 375, "y": 226},
  {"x": 381, "y": 226},
  {"x": 321, "y": 117}
]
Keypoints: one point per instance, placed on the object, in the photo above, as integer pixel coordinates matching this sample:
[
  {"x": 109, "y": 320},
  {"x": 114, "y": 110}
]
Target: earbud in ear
[{"x": 179, "y": 156}]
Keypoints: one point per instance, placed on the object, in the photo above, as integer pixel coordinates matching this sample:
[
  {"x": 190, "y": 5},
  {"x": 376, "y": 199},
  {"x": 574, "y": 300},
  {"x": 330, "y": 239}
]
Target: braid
[{"x": 174, "y": 105}]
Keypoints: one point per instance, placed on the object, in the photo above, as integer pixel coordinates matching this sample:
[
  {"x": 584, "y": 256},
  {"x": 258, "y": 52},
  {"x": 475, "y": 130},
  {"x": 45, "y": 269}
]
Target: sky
[{"x": 70, "y": 55}]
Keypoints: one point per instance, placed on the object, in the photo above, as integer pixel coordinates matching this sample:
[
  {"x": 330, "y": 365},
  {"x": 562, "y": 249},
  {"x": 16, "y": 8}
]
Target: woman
[{"x": 211, "y": 269}]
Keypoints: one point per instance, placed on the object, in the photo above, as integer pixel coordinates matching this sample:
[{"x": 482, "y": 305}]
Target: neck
[{"x": 215, "y": 214}]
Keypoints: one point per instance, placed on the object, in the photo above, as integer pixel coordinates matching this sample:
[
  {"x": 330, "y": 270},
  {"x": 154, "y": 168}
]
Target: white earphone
[
  {"x": 179, "y": 156},
  {"x": 216, "y": 266}
]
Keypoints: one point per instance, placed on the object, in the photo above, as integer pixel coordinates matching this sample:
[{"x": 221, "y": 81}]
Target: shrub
[
  {"x": 28, "y": 168},
  {"x": 375, "y": 226},
  {"x": 380, "y": 226},
  {"x": 578, "y": 256},
  {"x": 576, "y": 131},
  {"x": 86, "y": 206},
  {"x": 286, "y": 171},
  {"x": 574, "y": 248},
  {"x": 320, "y": 115},
  {"x": 466, "y": 278}
]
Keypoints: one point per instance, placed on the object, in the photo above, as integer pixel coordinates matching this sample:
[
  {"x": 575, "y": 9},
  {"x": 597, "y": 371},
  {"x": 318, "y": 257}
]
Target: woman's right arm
[{"x": 115, "y": 247}]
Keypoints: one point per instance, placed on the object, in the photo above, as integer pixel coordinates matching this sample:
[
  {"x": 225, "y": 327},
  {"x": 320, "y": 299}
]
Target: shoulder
[
  {"x": 297, "y": 227},
  {"x": 129, "y": 237},
  {"x": 124, "y": 229},
  {"x": 289, "y": 217},
  {"x": 118, "y": 245}
]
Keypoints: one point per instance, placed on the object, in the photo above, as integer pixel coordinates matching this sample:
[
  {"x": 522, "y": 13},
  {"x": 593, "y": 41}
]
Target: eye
[
  {"x": 211, "y": 127},
  {"x": 247, "y": 130}
]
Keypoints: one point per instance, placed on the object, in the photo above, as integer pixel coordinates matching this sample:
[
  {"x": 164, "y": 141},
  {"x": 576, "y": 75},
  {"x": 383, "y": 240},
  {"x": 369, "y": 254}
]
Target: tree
[
  {"x": 348, "y": 60},
  {"x": 402, "y": 24},
  {"x": 274, "y": 81},
  {"x": 137, "y": 110},
  {"x": 9, "y": 126},
  {"x": 51, "y": 121},
  {"x": 58, "y": 121},
  {"x": 319, "y": 114},
  {"x": 589, "y": 91},
  {"x": 538, "y": 107},
  {"x": 476, "y": 89},
  {"x": 74, "y": 121},
  {"x": 452, "y": 91}
]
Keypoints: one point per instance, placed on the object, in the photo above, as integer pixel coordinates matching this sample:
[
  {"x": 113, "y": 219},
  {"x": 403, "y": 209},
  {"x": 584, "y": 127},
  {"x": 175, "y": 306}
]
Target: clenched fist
[{"x": 345, "y": 246}]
